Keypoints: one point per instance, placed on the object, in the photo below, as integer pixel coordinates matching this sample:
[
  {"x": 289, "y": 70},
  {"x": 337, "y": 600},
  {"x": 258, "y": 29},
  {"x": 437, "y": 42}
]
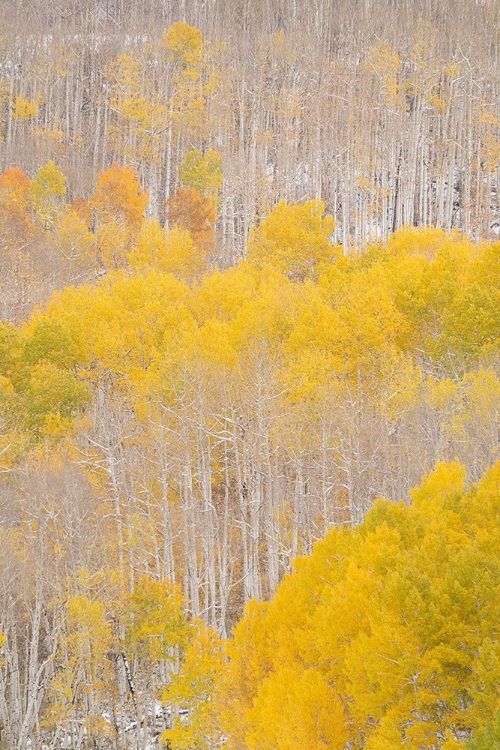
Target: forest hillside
[
  {"x": 387, "y": 111},
  {"x": 249, "y": 286}
]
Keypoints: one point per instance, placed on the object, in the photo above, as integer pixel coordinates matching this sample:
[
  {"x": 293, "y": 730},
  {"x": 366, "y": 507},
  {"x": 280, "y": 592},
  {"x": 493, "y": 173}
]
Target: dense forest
[
  {"x": 387, "y": 111},
  {"x": 249, "y": 375}
]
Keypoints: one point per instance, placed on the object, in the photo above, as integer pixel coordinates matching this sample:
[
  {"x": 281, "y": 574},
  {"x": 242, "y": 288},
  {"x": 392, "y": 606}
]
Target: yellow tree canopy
[
  {"x": 386, "y": 637},
  {"x": 295, "y": 239}
]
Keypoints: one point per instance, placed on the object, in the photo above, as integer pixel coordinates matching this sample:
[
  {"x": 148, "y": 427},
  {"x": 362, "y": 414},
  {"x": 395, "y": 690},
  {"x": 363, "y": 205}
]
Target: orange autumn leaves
[
  {"x": 109, "y": 230},
  {"x": 122, "y": 233}
]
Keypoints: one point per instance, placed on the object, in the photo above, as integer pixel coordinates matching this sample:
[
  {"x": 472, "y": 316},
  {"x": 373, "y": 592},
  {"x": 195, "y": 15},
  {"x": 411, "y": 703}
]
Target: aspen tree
[{"x": 119, "y": 204}]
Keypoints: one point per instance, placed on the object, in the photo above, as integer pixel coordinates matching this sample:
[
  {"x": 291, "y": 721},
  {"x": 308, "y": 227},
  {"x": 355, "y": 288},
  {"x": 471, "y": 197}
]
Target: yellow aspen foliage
[
  {"x": 75, "y": 243},
  {"x": 89, "y": 632},
  {"x": 434, "y": 279},
  {"x": 182, "y": 257},
  {"x": 295, "y": 709},
  {"x": 129, "y": 323},
  {"x": 12, "y": 421},
  {"x": 126, "y": 71},
  {"x": 195, "y": 78},
  {"x": 471, "y": 322},
  {"x": 135, "y": 134},
  {"x": 48, "y": 191},
  {"x": 214, "y": 345},
  {"x": 183, "y": 42},
  {"x": 53, "y": 393},
  {"x": 284, "y": 47},
  {"x": 371, "y": 328},
  {"x": 12, "y": 369},
  {"x": 384, "y": 61},
  {"x": 249, "y": 662},
  {"x": 398, "y": 622},
  {"x": 417, "y": 241},
  {"x": 136, "y": 110},
  {"x": 150, "y": 247},
  {"x": 41, "y": 390},
  {"x": 191, "y": 691},
  {"x": 357, "y": 337},
  {"x": 471, "y": 412},
  {"x": 24, "y": 109},
  {"x": 314, "y": 348},
  {"x": 118, "y": 204},
  {"x": 49, "y": 340},
  {"x": 221, "y": 295},
  {"x": 446, "y": 482},
  {"x": 82, "y": 679},
  {"x": 489, "y": 737},
  {"x": 294, "y": 239},
  {"x": 441, "y": 394},
  {"x": 112, "y": 243},
  {"x": 451, "y": 743},
  {"x": 155, "y": 620},
  {"x": 267, "y": 318}
]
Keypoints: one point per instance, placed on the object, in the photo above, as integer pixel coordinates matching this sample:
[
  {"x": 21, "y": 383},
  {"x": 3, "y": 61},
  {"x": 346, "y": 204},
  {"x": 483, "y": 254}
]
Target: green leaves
[
  {"x": 53, "y": 395},
  {"x": 203, "y": 172},
  {"x": 488, "y": 738}
]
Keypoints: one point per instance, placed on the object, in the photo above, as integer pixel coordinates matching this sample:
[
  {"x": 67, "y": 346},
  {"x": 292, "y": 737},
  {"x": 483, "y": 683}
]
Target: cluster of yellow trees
[
  {"x": 208, "y": 381},
  {"x": 49, "y": 242},
  {"x": 166, "y": 421},
  {"x": 386, "y": 637},
  {"x": 412, "y": 321}
]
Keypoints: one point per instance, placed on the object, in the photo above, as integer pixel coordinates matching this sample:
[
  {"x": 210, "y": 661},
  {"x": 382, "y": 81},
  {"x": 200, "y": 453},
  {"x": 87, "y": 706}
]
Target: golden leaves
[{"x": 388, "y": 639}]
